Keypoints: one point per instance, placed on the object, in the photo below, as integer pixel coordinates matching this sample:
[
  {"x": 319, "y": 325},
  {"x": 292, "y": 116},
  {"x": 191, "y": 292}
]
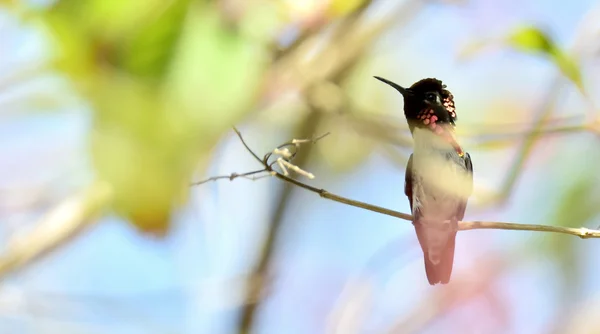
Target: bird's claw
[{"x": 454, "y": 225}]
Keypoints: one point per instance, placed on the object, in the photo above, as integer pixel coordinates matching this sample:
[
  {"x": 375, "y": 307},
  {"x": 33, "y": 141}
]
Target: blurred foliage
[
  {"x": 165, "y": 80},
  {"x": 314, "y": 13},
  {"x": 534, "y": 40},
  {"x": 350, "y": 104},
  {"x": 530, "y": 40},
  {"x": 576, "y": 207},
  {"x": 345, "y": 7},
  {"x": 344, "y": 149}
]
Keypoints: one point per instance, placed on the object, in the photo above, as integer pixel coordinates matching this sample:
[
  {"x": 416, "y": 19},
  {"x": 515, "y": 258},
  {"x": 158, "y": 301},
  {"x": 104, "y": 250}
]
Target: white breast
[{"x": 436, "y": 164}]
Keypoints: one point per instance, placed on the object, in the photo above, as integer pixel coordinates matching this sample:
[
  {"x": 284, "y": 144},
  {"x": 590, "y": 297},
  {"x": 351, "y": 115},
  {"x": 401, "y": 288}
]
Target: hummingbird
[{"x": 439, "y": 175}]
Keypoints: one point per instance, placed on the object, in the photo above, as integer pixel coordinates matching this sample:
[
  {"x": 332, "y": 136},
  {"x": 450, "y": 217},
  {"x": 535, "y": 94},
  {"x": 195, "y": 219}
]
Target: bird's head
[{"x": 428, "y": 105}]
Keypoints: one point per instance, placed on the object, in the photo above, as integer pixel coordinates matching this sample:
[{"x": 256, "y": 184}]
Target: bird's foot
[
  {"x": 451, "y": 224},
  {"x": 454, "y": 225}
]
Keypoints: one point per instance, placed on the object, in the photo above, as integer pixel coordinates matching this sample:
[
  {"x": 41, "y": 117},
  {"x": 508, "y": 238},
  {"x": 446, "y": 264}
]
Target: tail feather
[{"x": 441, "y": 272}]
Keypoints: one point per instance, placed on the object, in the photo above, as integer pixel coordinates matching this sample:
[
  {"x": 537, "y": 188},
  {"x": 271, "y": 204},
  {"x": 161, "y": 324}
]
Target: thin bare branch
[
  {"x": 248, "y": 176},
  {"x": 237, "y": 132},
  {"x": 314, "y": 140},
  {"x": 581, "y": 232},
  {"x": 336, "y": 198}
]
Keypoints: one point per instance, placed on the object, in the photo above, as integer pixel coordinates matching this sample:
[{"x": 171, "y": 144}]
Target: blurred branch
[
  {"x": 542, "y": 116},
  {"x": 545, "y": 110},
  {"x": 393, "y": 130},
  {"x": 61, "y": 224},
  {"x": 347, "y": 43},
  {"x": 582, "y": 232},
  {"x": 282, "y": 157}
]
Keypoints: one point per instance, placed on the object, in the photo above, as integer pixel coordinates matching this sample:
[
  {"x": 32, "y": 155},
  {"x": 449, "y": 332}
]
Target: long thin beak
[{"x": 399, "y": 88}]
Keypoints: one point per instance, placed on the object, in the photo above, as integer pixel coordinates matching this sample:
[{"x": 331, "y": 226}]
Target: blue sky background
[{"x": 114, "y": 279}]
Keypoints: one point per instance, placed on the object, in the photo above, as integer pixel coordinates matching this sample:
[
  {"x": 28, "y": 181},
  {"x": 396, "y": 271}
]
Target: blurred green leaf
[
  {"x": 345, "y": 7},
  {"x": 165, "y": 80},
  {"x": 569, "y": 68},
  {"x": 533, "y": 40},
  {"x": 132, "y": 36},
  {"x": 148, "y": 52},
  {"x": 136, "y": 151},
  {"x": 216, "y": 74}
]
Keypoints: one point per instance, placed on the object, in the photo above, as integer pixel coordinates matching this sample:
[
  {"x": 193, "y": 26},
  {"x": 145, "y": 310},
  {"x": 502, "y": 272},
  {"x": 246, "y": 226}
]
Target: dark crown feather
[{"x": 434, "y": 85}]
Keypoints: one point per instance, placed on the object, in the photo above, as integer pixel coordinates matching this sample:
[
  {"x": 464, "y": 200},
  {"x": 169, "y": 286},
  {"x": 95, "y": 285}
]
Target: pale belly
[{"x": 440, "y": 179}]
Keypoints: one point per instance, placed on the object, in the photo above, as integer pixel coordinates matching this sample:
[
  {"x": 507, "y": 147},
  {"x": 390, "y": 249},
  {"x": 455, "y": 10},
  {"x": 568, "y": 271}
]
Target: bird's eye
[{"x": 431, "y": 97}]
